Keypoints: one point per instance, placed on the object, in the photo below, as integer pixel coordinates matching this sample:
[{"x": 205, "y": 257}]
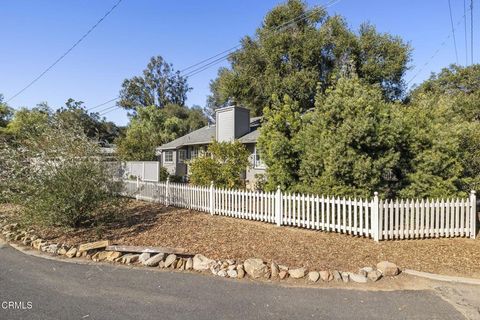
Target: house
[{"x": 232, "y": 123}]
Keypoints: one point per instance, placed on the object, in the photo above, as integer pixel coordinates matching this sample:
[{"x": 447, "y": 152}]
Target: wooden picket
[{"x": 378, "y": 219}]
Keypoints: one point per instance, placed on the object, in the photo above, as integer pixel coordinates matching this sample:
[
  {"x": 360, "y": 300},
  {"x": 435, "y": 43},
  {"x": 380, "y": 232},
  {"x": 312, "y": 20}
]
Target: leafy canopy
[
  {"x": 292, "y": 59},
  {"x": 159, "y": 86},
  {"x": 152, "y": 127}
]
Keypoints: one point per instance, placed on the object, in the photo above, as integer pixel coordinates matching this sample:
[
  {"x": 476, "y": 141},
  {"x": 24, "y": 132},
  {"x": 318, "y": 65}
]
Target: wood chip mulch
[{"x": 217, "y": 237}]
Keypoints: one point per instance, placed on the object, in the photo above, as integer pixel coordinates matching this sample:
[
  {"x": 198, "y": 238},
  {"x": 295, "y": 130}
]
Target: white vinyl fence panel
[
  {"x": 143, "y": 170},
  {"x": 377, "y": 219}
]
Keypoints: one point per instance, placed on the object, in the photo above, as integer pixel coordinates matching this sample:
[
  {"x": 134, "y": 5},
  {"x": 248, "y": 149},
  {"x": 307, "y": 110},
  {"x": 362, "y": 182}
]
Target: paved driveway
[{"x": 58, "y": 290}]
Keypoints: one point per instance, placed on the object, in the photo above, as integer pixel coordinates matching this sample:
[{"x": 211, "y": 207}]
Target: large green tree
[
  {"x": 152, "y": 127},
  {"x": 459, "y": 84},
  {"x": 160, "y": 85},
  {"x": 352, "y": 144},
  {"x": 292, "y": 58},
  {"x": 443, "y": 121},
  {"x": 94, "y": 126}
]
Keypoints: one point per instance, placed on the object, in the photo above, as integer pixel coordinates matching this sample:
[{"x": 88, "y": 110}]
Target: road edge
[{"x": 443, "y": 278}]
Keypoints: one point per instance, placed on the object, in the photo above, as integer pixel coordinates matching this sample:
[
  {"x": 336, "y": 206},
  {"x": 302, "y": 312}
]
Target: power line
[
  {"x": 66, "y": 52},
  {"x": 220, "y": 57},
  {"x": 201, "y": 62},
  {"x": 453, "y": 30},
  {"x": 278, "y": 28},
  {"x": 102, "y": 104},
  {"x": 106, "y": 110},
  {"x": 436, "y": 52}
]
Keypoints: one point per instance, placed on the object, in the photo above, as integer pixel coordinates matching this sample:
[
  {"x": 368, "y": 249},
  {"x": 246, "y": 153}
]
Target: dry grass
[{"x": 218, "y": 237}]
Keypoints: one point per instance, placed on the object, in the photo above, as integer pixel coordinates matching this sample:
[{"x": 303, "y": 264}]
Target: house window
[
  {"x": 194, "y": 153},
  {"x": 182, "y": 155},
  {"x": 168, "y": 156},
  {"x": 257, "y": 160}
]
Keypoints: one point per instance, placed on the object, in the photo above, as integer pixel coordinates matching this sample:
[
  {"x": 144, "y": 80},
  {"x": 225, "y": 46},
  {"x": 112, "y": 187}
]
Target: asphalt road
[{"x": 49, "y": 289}]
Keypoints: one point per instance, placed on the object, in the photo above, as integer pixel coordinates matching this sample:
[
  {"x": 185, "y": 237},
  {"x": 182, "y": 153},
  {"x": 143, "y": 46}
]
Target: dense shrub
[
  {"x": 224, "y": 163},
  {"x": 57, "y": 176}
]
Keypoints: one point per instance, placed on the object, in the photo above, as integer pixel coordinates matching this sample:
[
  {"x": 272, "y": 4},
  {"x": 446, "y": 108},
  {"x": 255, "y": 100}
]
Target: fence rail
[{"x": 374, "y": 218}]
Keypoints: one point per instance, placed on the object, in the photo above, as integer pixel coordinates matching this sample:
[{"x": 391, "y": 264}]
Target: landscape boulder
[
  {"x": 313, "y": 276},
  {"x": 275, "y": 270},
  {"x": 388, "y": 268},
  {"x": 130, "y": 258},
  {"x": 232, "y": 273},
  {"x": 336, "y": 275},
  {"x": 255, "y": 268},
  {"x": 240, "y": 272},
  {"x": 374, "y": 275},
  {"x": 144, "y": 257},
  {"x": 71, "y": 253},
  {"x": 297, "y": 273},
  {"x": 358, "y": 278},
  {"x": 200, "y": 262},
  {"x": 189, "y": 264},
  {"x": 154, "y": 261},
  {"x": 170, "y": 260},
  {"x": 326, "y": 275}
]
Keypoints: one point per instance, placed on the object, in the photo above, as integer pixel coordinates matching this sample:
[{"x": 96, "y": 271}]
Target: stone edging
[{"x": 254, "y": 268}]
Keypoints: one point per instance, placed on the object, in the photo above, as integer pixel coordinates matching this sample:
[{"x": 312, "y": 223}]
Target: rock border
[{"x": 253, "y": 268}]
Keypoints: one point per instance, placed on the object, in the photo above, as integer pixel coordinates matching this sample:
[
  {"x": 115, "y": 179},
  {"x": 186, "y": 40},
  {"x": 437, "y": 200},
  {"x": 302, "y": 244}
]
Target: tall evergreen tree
[
  {"x": 352, "y": 143},
  {"x": 281, "y": 123}
]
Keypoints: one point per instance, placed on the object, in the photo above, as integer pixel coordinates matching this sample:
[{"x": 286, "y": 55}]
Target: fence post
[
  {"x": 212, "y": 203},
  {"x": 138, "y": 182},
  {"x": 473, "y": 214},
  {"x": 278, "y": 206},
  {"x": 375, "y": 218},
  {"x": 167, "y": 192}
]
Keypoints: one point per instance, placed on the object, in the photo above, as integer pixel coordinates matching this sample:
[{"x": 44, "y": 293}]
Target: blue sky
[{"x": 35, "y": 33}]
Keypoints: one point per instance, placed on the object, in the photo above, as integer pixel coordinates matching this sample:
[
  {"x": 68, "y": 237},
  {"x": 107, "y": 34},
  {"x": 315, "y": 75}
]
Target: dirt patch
[{"x": 141, "y": 223}]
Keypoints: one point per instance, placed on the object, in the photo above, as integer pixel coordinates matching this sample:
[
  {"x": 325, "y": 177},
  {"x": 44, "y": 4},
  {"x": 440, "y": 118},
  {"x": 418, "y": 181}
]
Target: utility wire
[
  {"x": 102, "y": 104},
  {"x": 436, "y": 52},
  {"x": 220, "y": 57},
  {"x": 107, "y": 108},
  {"x": 276, "y": 29},
  {"x": 66, "y": 52},
  {"x": 453, "y": 30},
  {"x": 208, "y": 59}
]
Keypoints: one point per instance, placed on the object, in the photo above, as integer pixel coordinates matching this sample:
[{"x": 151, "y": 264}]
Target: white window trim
[
  {"x": 257, "y": 164},
  {"x": 197, "y": 153},
  {"x": 165, "y": 157}
]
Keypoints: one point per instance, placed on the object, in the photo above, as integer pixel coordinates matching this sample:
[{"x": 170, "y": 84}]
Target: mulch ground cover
[{"x": 147, "y": 224}]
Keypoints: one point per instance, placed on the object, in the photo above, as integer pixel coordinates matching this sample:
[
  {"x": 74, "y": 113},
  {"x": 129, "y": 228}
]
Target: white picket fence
[{"x": 374, "y": 218}]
